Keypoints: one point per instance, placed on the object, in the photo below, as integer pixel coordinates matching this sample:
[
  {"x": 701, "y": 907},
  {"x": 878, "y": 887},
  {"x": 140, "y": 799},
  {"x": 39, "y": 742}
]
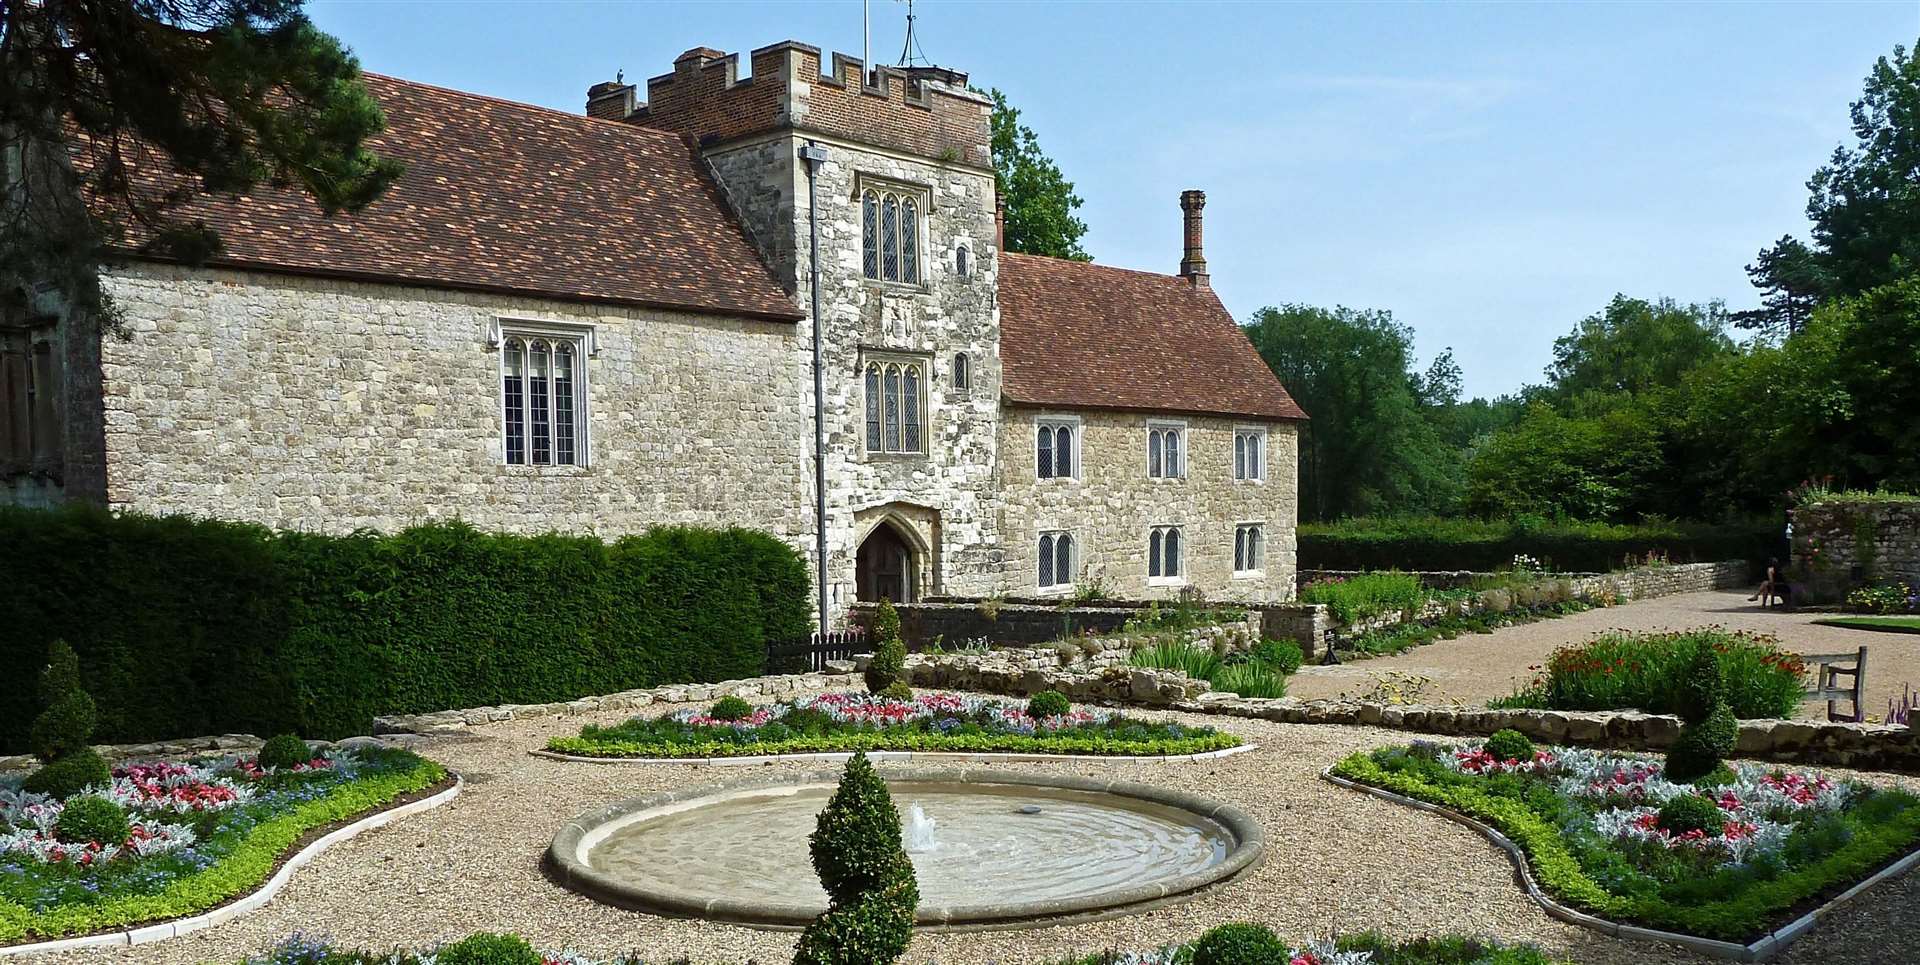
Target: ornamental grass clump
[
  {"x": 889, "y": 651},
  {"x": 1708, "y": 728},
  {"x": 60, "y": 733},
  {"x": 862, "y": 864}
]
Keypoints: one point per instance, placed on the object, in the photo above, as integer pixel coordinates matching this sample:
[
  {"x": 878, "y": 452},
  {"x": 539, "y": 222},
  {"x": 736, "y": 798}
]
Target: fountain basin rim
[
  {"x": 566, "y": 862},
  {"x": 902, "y": 757}
]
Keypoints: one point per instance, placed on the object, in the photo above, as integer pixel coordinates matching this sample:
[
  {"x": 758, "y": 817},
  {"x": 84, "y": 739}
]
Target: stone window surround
[
  {"x": 1180, "y": 554},
  {"x": 1258, "y": 550},
  {"x": 1078, "y": 436},
  {"x": 1259, "y": 435},
  {"x": 923, "y": 361},
  {"x": 922, "y": 194},
  {"x": 962, "y": 381},
  {"x": 587, "y": 336},
  {"x": 1041, "y": 544},
  {"x": 1179, "y": 428}
]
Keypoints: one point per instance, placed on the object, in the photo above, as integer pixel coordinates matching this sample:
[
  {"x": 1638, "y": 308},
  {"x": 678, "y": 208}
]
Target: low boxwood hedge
[{"x": 1428, "y": 543}]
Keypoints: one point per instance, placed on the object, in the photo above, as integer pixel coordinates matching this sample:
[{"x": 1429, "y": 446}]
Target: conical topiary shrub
[
  {"x": 889, "y": 651},
  {"x": 59, "y": 735},
  {"x": 1708, "y": 728},
  {"x": 871, "y": 890}
]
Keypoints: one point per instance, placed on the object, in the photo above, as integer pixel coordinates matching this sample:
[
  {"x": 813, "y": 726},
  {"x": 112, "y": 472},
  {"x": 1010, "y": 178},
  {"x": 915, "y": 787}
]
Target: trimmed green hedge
[
  {"x": 188, "y": 627},
  {"x": 1428, "y": 543}
]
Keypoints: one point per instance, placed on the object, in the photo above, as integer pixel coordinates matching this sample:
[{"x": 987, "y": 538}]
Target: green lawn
[{"x": 1885, "y": 624}]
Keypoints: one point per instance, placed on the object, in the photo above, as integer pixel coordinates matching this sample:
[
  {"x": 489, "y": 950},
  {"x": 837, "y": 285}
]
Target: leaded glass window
[
  {"x": 895, "y": 407},
  {"x": 890, "y": 236},
  {"x": 543, "y": 400}
]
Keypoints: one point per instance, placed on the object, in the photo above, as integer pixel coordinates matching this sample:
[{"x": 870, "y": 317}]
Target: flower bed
[
  {"x": 1238, "y": 943},
  {"x": 197, "y": 834},
  {"x": 1623, "y": 671},
  {"x": 1603, "y": 834},
  {"x": 846, "y": 721}
]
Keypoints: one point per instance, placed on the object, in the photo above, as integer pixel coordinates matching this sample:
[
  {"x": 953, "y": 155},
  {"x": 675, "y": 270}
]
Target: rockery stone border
[
  {"x": 1764, "y": 949},
  {"x": 774, "y": 685},
  {"x": 902, "y": 757},
  {"x": 566, "y": 857},
  {"x": 246, "y": 903},
  {"x": 1869, "y": 747}
]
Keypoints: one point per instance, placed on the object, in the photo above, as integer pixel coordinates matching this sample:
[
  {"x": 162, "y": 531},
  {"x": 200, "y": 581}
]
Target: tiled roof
[
  {"x": 508, "y": 197},
  {"x": 1080, "y": 335}
]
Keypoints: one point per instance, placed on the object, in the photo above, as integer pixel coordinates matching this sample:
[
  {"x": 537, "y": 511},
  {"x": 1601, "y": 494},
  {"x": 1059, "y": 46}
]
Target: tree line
[{"x": 1651, "y": 408}]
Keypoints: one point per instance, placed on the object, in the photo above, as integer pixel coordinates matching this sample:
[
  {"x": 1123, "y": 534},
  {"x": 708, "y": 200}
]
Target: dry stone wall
[{"x": 1841, "y": 545}]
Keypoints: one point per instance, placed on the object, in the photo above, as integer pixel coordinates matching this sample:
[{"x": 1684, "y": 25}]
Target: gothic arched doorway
[{"x": 884, "y": 568}]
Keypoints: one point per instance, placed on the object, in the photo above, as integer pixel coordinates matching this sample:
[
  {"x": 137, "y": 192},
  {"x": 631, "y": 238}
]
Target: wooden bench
[{"x": 1831, "y": 667}]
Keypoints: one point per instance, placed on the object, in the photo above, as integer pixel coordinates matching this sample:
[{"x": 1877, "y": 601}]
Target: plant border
[
  {"x": 1044, "y": 748},
  {"x": 564, "y": 864},
  {"x": 899, "y": 757},
  {"x": 1538, "y": 842},
  {"x": 1860, "y": 623},
  {"x": 232, "y": 887}
]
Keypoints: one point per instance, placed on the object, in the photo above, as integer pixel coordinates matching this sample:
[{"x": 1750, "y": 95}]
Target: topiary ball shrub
[
  {"x": 1239, "y": 944},
  {"x": 856, "y": 841},
  {"x": 1510, "y": 745},
  {"x": 889, "y": 652},
  {"x": 70, "y": 775},
  {"x": 92, "y": 818},
  {"x": 487, "y": 948},
  {"x": 872, "y": 931},
  {"x": 898, "y": 691},
  {"x": 730, "y": 708},
  {"x": 1048, "y": 703},
  {"x": 284, "y": 751},
  {"x": 1691, "y": 812}
]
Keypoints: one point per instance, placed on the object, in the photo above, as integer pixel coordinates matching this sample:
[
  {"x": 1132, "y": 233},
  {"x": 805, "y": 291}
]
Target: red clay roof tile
[
  {"x": 1080, "y": 335},
  {"x": 510, "y": 197}
]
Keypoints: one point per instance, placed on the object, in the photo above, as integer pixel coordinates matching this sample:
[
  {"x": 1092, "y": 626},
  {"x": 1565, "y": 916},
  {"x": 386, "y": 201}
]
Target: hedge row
[
  {"x": 1426, "y": 543},
  {"x": 188, "y": 626}
]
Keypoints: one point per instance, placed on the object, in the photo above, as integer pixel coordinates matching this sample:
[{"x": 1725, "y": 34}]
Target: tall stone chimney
[
  {"x": 610, "y": 100},
  {"x": 1193, "y": 267}
]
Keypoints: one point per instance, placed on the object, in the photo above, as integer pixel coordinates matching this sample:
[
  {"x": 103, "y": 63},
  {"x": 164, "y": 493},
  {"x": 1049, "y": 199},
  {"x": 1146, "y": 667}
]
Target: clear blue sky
[{"x": 1489, "y": 173}]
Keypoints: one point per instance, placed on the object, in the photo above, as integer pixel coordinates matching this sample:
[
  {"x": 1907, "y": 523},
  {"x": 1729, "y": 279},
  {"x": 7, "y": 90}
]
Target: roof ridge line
[{"x": 541, "y": 108}]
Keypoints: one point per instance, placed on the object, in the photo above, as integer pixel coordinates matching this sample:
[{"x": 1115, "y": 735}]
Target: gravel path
[
  {"x": 1478, "y": 667},
  {"x": 1337, "y": 860}
]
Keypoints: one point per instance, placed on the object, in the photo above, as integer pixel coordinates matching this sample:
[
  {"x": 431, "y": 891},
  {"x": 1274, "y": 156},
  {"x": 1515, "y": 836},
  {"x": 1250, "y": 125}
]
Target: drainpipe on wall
[{"x": 815, "y": 155}]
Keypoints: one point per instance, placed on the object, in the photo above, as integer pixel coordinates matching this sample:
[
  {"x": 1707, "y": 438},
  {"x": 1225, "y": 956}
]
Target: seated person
[{"x": 1775, "y": 585}]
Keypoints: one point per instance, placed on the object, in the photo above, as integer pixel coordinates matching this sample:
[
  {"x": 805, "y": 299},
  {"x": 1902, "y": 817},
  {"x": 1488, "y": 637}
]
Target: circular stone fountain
[{"x": 990, "y": 849}]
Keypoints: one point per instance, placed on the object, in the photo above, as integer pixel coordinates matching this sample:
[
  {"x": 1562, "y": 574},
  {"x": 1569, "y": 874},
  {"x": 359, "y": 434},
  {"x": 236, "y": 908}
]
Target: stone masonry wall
[
  {"x": 1841, "y": 545},
  {"x": 1112, "y": 504},
  {"x": 945, "y": 501},
  {"x": 330, "y": 405}
]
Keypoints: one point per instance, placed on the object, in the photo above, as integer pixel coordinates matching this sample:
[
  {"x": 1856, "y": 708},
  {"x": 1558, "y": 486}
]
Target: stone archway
[{"x": 887, "y": 567}]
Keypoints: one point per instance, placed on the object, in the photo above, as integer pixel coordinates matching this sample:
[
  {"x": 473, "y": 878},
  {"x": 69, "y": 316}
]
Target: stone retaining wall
[
  {"x": 957, "y": 623},
  {"x": 1313, "y": 628},
  {"x": 1871, "y": 747},
  {"x": 1841, "y": 545}
]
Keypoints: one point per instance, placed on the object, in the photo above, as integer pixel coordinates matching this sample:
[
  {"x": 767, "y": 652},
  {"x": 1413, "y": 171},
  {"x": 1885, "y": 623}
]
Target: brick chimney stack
[
  {"x": 610, "y": 100},
  {"x": 1193, "y": 267}
]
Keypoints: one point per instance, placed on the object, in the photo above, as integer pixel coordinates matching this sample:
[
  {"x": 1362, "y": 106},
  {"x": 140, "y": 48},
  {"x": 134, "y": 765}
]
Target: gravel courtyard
[
  {"x": 1337, "y": 860},
  {"x": 1478, "y": 667}
]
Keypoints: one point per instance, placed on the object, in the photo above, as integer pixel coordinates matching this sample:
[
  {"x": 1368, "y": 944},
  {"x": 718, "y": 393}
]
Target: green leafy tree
[
  {"x": 1633, "y": 346},
  {"x": 1549, "y": 465},
  {"x": 113, "y": 114},
  {"x": 1864, "y": 204},
  {"x": 1039, "y": 200},
  {"x": 1370, "y": 445}
]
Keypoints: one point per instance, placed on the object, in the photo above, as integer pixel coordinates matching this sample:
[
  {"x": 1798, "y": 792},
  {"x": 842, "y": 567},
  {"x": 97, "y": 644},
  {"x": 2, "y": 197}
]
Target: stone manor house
[{"x": 605, "y": 323}]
